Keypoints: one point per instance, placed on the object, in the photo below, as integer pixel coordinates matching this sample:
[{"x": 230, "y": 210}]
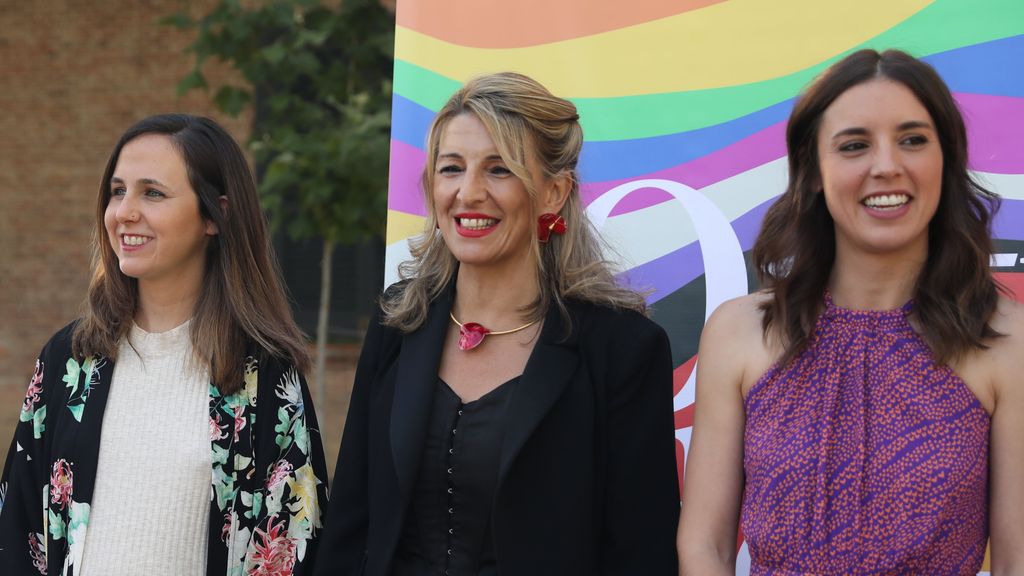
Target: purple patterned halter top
[{"x": 862, "y": 456}]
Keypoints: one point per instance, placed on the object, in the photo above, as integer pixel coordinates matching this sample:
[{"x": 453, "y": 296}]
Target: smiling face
[
  {"x": 881, "y": 169},
  {"x": 152, "y": 217},
  {"x": 484, "y": 212}
]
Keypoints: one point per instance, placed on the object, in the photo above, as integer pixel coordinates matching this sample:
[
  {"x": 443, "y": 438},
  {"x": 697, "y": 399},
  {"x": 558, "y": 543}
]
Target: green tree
[{"x": 319, "y": 82}]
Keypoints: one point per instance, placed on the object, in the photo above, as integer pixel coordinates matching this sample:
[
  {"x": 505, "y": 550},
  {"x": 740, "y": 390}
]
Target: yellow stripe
[
  {"x": 402, "y": 225},
  {"x": 722, "y": 45}
]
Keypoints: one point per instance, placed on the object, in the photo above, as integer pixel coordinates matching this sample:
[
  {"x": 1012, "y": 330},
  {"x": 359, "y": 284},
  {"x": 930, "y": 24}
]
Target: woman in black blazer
[{"x": 541, "y": 444}]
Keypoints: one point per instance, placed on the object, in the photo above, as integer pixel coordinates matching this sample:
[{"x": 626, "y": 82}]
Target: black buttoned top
[{"x": 447, "y": 530}]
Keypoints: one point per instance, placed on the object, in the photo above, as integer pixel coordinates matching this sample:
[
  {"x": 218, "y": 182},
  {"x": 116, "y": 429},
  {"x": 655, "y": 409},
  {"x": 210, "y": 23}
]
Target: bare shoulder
[
  {"x": 735, "y": 341},
  {"x": 1006, "y": 354},
  {"x": 741, "y": 315},
  {"x": 1009, "y": 318}
]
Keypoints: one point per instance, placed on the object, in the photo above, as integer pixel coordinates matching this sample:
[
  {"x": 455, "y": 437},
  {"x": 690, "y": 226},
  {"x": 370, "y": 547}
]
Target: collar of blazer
[{"x": 549, "y": 369}]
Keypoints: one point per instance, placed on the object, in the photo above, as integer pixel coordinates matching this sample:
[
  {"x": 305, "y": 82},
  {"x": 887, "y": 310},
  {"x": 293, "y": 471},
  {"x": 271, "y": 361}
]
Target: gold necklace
[{"x": 472, "y": 334}]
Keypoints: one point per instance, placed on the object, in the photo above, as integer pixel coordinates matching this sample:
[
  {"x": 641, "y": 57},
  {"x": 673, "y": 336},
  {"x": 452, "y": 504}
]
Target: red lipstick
[{"x": 474, "y": 232}]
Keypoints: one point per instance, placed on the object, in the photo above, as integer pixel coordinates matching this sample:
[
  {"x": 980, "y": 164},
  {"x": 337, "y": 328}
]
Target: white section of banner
[
  {"x": 640, "y": 236},
  {"x": 724, "y": 269}
]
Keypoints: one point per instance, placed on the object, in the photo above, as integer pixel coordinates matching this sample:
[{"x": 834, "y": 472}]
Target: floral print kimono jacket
[{"x": 268, "y": 481}]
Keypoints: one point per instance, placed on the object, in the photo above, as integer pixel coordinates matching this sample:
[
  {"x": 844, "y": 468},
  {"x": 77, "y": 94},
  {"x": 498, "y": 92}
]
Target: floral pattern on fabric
[
  {"x": 267, "y": 527},
  {"x": 267, "y": 483},
  {"x": 274, "y": 552},
  {"x": 61, "y": 481},
  {"x": 89, "y": 368},
  {"x": 66, "y": 519},
  {"x": 30, "y": 409},
  {"x": 37, "y": 552}
]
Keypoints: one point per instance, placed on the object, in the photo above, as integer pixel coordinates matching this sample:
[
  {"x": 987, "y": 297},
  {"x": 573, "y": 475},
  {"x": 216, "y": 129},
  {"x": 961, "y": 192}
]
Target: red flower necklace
[{"x": 472, "y": 334}]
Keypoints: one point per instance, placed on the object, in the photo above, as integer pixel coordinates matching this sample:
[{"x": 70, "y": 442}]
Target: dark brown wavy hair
[
  {"x": 955, "y": 294},
  {"x": 242, "y": 303}
]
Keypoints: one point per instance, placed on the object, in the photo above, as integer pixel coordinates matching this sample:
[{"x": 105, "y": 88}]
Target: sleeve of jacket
[
  {"x": 293, "y": 486},
  {"x": 344, "y": 540},
  {"x": 25, "y": 477},
  {"x": 642, "y": 490}
]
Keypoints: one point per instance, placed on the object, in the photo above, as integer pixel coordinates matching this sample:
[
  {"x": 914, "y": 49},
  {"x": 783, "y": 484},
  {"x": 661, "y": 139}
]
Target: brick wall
[{"x": 74, "y": 74}]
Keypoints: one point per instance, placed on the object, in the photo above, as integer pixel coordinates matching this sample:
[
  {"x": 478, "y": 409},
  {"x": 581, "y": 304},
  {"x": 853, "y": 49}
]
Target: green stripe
[
  {"x": 938, "y": 27},
  {"x": 426, "y": 88}
]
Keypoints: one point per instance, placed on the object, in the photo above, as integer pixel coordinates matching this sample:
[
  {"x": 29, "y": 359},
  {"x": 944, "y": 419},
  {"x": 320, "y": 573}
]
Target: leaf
[
  {"x": 220, "y": 455},
  {"x": 283, "y": 439},
  {"x": 78, "y": 520},
  {"x": 76, "y": 411},
  {"x": 225, "y": 493},
  {"x": 312, "y": 37},
  {"x": 39, "y": 422},
  {"x": 274, "y": 53},
  {"x": 257, "y": 504},
  {"x": 71, "y": 373},
  {"x": 232, "y": 100},
  {"x": 179, "y": 20},
  {"x": 301, "y": 436},
  {"x": 192, "y": 81},
  {"x": 319, "y": 76},
  {"x": 56, "y": 523},
  {"x": 242, "y": 462}
]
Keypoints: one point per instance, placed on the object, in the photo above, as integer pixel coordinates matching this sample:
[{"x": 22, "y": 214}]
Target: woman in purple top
[{"x": 873, "y": 422}]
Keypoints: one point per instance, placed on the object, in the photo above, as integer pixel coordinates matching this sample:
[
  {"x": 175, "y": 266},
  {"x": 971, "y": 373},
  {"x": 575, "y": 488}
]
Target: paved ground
[{"x": 340, "y": 372}]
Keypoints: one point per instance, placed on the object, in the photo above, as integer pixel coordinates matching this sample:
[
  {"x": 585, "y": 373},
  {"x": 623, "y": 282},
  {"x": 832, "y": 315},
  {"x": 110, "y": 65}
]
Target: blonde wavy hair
[{"x": 523, "y": 118}]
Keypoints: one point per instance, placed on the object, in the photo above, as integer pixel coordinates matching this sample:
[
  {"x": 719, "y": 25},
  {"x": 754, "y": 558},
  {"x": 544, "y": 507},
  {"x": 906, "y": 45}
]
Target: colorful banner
[{"x": 683, "y": 104}]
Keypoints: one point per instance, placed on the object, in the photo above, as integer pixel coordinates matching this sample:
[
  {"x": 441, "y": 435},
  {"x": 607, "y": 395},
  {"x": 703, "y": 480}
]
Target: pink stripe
[
  {"x": 754, "y": 150},
  {"x": 737, "y": 158},
  {"x": 764, "y": 146},
  {"x": 406, "y": 165},
  {"x": 995, "y": 132}
]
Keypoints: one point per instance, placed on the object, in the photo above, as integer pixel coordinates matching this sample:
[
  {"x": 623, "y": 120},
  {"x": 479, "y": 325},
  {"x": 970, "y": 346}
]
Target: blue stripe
[{"x": 995, "y": 68}]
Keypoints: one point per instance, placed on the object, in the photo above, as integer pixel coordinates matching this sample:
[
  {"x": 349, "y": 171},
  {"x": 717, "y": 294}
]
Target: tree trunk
[{"x": 321, "y": 325}]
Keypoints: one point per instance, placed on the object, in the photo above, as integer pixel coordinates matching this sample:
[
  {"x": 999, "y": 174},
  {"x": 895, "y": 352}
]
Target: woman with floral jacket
[{"x": 170, "y": 431}]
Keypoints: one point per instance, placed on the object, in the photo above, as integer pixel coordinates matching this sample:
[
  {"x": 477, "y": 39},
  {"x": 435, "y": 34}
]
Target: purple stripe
[
  {"x": 666, "y": 274},
  {"x": 748, "y": 225},
  {"x": 676, "y": 269},
  {"x": 1009, "y": 221},
  {"x": 407, "y": 164},
  {"x": 995, "y": 125},
  {"x": 404, "y": 181},
  {"x": 995, "y": 131},
  {"x": 746, "y": 154},
  {"x": 995, "y": 128}
]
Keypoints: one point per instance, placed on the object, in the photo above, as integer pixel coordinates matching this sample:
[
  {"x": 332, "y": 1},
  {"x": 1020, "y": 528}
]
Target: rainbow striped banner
[{"x": 687, "y": 100}]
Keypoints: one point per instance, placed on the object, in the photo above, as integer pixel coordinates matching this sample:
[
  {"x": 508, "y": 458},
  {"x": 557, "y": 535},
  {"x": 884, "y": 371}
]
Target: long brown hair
[
  {"x": 523, "y": 119},
  {"x": 242, "y": 301},
  {"x": 955, "y": 294}
]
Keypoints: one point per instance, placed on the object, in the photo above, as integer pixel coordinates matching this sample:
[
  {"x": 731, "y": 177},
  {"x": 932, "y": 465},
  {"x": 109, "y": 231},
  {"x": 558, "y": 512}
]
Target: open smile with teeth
[
  {"x": 886, "y": 201},
  {"x": 133, "y": 240},
  {"x": 476, "y": 223}
]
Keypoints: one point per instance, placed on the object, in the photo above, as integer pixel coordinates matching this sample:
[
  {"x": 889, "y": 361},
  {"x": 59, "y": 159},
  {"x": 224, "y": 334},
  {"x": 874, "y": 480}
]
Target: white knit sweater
[{"x": 151, "y": 506}]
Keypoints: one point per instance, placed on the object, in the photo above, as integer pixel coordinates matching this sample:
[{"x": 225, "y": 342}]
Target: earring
[{"x": 548, "y": 224}]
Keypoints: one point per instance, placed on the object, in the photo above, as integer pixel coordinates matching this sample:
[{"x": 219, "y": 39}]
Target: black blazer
[{"x": 587, "y": 481}]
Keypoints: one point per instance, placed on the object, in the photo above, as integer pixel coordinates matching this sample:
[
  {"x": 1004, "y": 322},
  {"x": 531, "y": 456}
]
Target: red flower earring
[{"x": 548, "y": 224}]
